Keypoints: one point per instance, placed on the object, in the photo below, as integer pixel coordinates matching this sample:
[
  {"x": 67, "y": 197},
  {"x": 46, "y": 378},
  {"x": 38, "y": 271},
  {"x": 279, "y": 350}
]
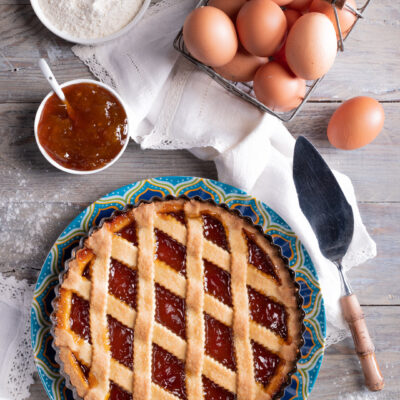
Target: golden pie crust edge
[{"x": 65, "y": 347}]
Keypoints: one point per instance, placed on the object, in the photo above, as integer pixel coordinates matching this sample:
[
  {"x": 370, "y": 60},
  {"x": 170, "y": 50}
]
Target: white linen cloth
[{"x": 173, "y": 106}]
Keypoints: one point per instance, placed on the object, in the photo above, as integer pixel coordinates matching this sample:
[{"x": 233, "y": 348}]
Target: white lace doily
[{"x": 16, "y": 358}]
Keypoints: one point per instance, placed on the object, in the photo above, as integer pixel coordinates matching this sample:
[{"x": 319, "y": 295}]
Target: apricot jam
[{"x": 91, "y": 136}]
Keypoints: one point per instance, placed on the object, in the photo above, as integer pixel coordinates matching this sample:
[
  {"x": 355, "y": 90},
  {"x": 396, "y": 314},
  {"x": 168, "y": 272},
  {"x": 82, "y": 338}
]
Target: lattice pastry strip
[
  {"x": 100, "y": 243},
  {"x": 133, "y": 239},
  {"x": 146, "y": 303},
  {"x": 194, "y": 302}
]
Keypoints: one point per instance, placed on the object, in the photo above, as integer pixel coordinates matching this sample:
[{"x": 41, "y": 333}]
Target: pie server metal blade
[
  {"x": 322, "y": 201},
  {"x": 331, "y": 217}
]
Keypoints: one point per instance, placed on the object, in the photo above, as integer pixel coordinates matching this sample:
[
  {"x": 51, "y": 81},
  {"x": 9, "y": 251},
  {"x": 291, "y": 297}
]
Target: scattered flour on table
[
  {"x": 365, "y": 395},
  {"x": 90, "y": 19},
  {"x": 25, "y": 221},
  {"x": 362, "y": 393}
]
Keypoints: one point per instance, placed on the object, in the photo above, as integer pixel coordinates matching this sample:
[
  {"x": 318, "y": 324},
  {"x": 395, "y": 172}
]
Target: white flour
[{"x": 90, "y": 19}]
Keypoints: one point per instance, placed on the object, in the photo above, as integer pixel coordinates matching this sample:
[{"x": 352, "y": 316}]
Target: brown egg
[
  {"x": 278, "y": 88},
  {"x": 210, "y": 36},
  {"x": 242, "y": 68},
  {"x": 346, "y": 17},
  {"x": 311, "y": 46},
  {"x": 282, "y": 2},
  {"x": 355, "y": 123},
  {"x": 300, "y": 5},
  {"x": 229, "y": 7},
  {"x": 291, "y": 17},
  {"x": 261, "y": 26}
]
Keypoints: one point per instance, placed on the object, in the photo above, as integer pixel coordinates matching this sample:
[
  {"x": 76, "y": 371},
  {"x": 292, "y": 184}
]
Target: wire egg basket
[{"x": 245, "y": 89}]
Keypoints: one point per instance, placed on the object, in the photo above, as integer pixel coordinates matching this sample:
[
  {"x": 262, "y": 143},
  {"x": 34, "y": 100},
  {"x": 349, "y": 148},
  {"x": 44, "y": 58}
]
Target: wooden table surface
[{"x": 37, "y": 201}]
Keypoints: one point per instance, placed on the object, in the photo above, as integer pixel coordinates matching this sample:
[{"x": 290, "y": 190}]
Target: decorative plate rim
[{"x": 315, "y": 321}]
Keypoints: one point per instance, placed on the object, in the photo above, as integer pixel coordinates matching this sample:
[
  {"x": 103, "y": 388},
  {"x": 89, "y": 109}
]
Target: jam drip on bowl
[
  {"x": 217, "y": 282},
  {"x": 168, "y": 372},
  {"x": 267, "y": 312},
  {"x": 121, "y": 342},
  {"x": 170, "y": 251},
  {"x": 219, "y": 342},
  {"x": 258, "y": 258},
  {"x": 214, "y": 231},
  {"x": 122, "y": 282},
  {"x": 117, "y": 393},
  {"x": 129, "y": 233},
  {"x": 79, "y": 317},
  {"x": 170, "y": 311}
]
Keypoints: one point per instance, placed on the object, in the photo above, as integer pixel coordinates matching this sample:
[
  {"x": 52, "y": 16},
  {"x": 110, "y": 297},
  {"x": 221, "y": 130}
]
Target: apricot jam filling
[
  {"x": 214, "y": 392},
  {"x": 122, "y": 282},
  {"x": 79, "y": 317},
  {"x": 170, "y": 251},
  {"x": 258, "y": 258},
  {"x": 168, "y": 372},
  {"x": 129, "y": 233},
  {"x": 84, "y": 369},
  {"x": 214, "y": 231},
  {"x": 178, "y": 215},
  {"x": 121, "y": 342},
  {"x": 265, "y": 363},
  {"x": 170, "y": 311},
  {"x": 219, "y": 342},
  {"x": 267, "y": 312},
  {"x": 117, "y": 393},
  {"x": 217, "y": 283}
]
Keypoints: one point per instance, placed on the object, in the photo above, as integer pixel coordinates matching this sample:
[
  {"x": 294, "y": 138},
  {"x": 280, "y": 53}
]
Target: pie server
[{"x": 331, "y": 217}]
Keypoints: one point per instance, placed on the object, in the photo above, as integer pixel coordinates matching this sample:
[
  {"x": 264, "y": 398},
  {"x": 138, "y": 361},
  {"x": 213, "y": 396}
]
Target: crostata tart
[{"x": 178, "y": 299}]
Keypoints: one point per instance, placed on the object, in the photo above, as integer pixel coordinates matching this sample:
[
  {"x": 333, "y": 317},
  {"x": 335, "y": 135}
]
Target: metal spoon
[{"x": 48, "y": 74}]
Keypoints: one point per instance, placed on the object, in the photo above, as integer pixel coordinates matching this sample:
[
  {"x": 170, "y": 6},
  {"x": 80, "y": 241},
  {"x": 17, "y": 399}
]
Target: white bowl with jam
[{"x": 90, "y": 138}]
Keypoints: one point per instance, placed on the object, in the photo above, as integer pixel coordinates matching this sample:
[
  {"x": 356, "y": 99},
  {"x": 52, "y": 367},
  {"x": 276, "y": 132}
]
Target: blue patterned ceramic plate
[{"x": 314, "y": 335}]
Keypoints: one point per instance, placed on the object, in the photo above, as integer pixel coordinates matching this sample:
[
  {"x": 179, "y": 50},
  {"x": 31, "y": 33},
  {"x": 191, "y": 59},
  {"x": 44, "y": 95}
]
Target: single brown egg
[
  {"x": 278, "y": 88},
  {"x": 261, "y": 26},
  {"x": 311, "y": 46},
  {"x": 291, "y": 17},
  {"x": 282, "y": 2},
  {"x": 346, "y": 17},
  {"x": 242, "y": 68},
  {"x": 229, "y": 7},
  {"x": 210, "y": 36},
  {"x": 301, "y": 5},
  {"x": 355, "y": 123}
]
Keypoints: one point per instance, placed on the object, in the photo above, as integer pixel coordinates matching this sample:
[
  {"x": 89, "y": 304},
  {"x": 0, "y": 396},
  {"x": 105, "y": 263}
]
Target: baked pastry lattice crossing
[{"x": 174, "y": 300}]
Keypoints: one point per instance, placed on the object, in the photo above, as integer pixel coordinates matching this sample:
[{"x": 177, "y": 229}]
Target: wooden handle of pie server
[{"x": 365, "y": 349}]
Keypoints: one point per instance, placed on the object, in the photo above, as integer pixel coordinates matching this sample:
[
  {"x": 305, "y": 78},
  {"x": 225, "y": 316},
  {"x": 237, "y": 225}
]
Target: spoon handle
[
  {"x": 48, "y": 74},
  {"x": 365, "y": 349}
]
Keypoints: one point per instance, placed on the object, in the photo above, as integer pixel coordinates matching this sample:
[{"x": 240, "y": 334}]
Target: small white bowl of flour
[{"x": 89, "y": 21}]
